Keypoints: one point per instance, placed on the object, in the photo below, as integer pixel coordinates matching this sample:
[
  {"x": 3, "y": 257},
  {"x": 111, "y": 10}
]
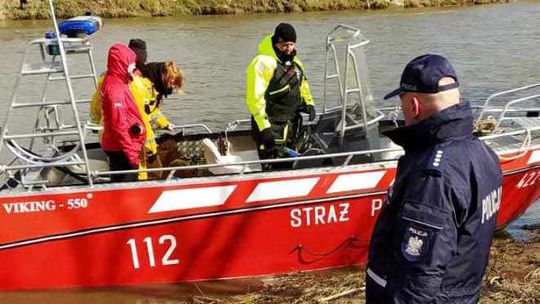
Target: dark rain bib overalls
[{"x": 283, "y": 101}]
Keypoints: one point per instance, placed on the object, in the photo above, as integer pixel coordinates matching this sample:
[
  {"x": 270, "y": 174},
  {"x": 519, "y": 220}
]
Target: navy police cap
[{"x": 422, "y": 75}]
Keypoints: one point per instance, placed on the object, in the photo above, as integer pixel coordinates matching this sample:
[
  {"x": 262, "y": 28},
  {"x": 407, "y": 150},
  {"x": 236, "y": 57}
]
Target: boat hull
[{"x": 209, "y": 228}]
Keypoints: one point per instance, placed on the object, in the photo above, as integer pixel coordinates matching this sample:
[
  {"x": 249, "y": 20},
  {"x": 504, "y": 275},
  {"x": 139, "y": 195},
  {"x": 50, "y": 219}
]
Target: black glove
[
  {"x": 151, "y": 158},
  {"x": 267, "y": 138},
  {"x": 310, "y": 109},
  {"x": 135, "y": 129}
]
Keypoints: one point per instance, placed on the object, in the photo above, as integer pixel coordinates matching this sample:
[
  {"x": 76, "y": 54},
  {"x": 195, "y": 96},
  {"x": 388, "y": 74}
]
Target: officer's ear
[{"x": 416, "y": 107}]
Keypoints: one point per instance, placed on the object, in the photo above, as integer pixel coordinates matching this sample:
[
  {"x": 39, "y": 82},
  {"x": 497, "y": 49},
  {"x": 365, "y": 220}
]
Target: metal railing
[
  {"x": 348, "y": 156},
  {"x": 507, "y": 107},
  {"x": 295, "y": 160},
  {"x": 354, "y": 40},
  {"x": 54, "y": 128},
  {"x": 526, "y": 143}
]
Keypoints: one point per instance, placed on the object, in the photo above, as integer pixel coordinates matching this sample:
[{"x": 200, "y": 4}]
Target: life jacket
[{"x": 283, "y": 93}]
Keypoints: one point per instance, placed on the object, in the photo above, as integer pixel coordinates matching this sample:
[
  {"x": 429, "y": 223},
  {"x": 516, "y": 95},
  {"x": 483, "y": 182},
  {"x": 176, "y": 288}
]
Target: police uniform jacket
[{"x": 431, "y": 241}]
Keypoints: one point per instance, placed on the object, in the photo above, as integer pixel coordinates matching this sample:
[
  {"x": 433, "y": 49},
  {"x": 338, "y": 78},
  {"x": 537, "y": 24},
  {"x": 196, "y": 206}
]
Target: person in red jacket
[{"x": 123, "y": 129}]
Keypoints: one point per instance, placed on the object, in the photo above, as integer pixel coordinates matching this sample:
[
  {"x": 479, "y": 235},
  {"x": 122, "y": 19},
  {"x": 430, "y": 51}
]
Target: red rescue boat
[{"x": 64, "y": 224}]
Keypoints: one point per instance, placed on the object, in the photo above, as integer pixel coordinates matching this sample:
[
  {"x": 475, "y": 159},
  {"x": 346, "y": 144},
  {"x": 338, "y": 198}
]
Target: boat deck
[{"x": 516, "y": 133}]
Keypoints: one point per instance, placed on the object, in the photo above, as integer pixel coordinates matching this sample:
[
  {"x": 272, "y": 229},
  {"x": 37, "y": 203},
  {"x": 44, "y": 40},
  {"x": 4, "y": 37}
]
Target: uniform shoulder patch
[{"x": 436, "y": 162}]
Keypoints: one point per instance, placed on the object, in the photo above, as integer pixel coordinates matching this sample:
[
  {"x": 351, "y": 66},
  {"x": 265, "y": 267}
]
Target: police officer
[
  {"x": 431, "y": 241},
  {"x": 276, "y": 91}
]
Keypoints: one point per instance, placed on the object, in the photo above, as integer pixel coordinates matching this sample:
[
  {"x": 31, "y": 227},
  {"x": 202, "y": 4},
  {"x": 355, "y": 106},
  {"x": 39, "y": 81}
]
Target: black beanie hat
[
  {"x": 138, "y": 46},
  {"x": 286, "y": 32}
]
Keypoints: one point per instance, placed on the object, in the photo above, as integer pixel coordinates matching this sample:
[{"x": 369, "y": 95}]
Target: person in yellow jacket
[
  {"x": 276, "y": 91},
  {"x": 165, "y": 77},
  {"x": 160, "y": 80}
]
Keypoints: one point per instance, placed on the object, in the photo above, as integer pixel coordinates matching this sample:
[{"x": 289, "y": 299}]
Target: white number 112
[{"x": 165, "y": 260}]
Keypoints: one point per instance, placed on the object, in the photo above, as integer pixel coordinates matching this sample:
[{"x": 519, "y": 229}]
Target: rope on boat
[
  {"x": 351, "y": 242},
  {"x": 485, "y": 127}
]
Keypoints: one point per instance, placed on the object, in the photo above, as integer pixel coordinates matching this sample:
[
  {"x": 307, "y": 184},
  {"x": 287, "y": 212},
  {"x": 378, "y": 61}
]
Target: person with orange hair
[
  {"x": 165, "y": 77},
  {"x": 158, "y": 80}
]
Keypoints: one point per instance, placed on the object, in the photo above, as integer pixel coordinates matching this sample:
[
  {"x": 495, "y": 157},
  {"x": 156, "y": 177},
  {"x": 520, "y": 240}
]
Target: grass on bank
[{"x": 38, "y": 9}]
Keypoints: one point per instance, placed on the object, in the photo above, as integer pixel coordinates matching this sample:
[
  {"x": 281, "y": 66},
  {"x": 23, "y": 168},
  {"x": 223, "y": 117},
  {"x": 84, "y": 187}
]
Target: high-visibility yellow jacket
[
  {"x": 259, "y": 74},
  {"x": 152, "y": 107},
  {"x": 96, "y": 116}
]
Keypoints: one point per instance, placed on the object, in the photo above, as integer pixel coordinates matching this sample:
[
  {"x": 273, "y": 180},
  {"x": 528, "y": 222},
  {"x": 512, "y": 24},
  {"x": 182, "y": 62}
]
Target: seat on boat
[
  {"x": 73, "y": 174},
  {"x": 213, "y": 156}
]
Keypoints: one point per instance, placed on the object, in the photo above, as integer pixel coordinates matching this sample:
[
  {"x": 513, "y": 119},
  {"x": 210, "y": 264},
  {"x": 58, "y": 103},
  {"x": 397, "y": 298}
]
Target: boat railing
[
  {"x": 519, "y": 141},
  {"x": 348, "y": 156},
  {"x": 496, "y": 110},
  {"x": 524, "y": 136},
  {"x": 519, "y": 120},
  {"x": 176, "y": 128},
  {"x": 509, "y": 106},
  {"x": 379, "y": 115},
  {"x": 525, "y": 145},
  {"x": 48, "y": 125},
  {"x": 350, "y": 71},
  {"x": 183, "y": 128}
]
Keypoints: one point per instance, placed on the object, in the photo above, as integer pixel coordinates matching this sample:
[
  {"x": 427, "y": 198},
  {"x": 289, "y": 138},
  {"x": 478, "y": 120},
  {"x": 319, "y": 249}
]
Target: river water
[{"x": 493, "y": 48}]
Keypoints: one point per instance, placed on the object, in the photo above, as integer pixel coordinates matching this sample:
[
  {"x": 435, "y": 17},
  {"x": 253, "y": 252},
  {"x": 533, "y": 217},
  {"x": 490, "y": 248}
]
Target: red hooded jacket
[{"x": 120, "y": 113}]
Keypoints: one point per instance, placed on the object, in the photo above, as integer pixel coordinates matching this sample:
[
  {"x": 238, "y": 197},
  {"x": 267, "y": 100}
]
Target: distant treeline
[{"x": 38, "y": 9}]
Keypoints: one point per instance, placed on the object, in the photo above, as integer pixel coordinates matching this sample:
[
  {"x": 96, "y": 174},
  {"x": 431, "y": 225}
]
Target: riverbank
[
  {"x": 34, "y": 9},
  {"x": 513, "y": 276}
]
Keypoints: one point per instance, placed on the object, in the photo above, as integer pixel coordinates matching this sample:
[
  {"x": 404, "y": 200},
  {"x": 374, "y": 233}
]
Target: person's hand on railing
[
  {"x": 310, "y": 110},
  {"x": 312, "y": 113},
  {"x": 170, "y": 127}
]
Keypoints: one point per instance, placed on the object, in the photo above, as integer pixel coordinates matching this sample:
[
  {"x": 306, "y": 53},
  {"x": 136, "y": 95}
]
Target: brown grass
[
  {"x": 513, "y": 276},
  {"x": 9, "y": 9}
]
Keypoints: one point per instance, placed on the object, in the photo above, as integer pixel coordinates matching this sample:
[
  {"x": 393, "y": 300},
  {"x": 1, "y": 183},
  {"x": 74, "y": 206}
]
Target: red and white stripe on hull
[
  {"x": 208, "y": 228},
  {"x": 109, "y": 206},
  {"x": 521, "y": 186},
  {"x": 534, "y": 157}
]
